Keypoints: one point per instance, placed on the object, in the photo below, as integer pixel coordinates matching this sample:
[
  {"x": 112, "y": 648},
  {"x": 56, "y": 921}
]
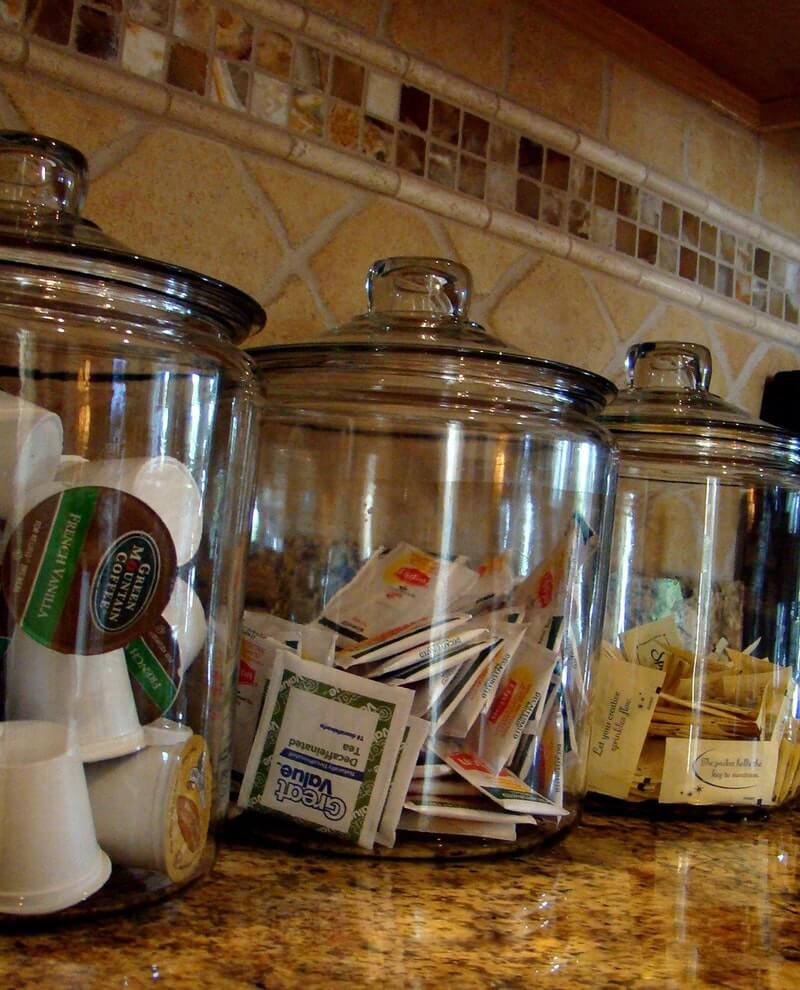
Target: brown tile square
[
  {"x": 186, "y": 68},
  {"x": 50, "y": 19},
  {"x": 472, "y": 176},
  {"x": 743, "y": 287},
  {"x": 647, "y": 246},
  {"x": 667, "y": 255},
  {"x": 445, "y": 122},
  {"x": 690, "y": 229},
  {"x": 708, "y": 238},
  {"x": 501, "y": 187},
  {"x": 97, "y": 33},
  {"x": 603, "y": 228},
  {"x": 311, "y": 68},
  {"x": 503, "y": 145},
  {"x": 581, "y": 180},
  {"x": 234, "y": 35},
  {"x": 759, "y": 298},
  {"x": 579, "y": 219},
  {"x": 347, "y": 80},
  {"x": 777, "y": 271},
  {"x": 670, "y": 219},
  {"x": 274, "y": 53},
  {"x": 727, "y": 247},
  {"x": 531, "y": 158},
  {"x": 144, "y": 51},
  {"x": 724, "y": 280},
  {"x": 194, "y": 21},
  {"x": 761, "y": 263},
  {"x": 11, "y": 12},
  {"x": 377, "y": 139},
  {"x": 628, "y": 201},
  {"x": 556, "y": 170},
  {"x": 442, "y": 165},
  {"x": 153, "y": 13},
  {"x": 344, "y": 122},
  {"x": 306, "y": 111},
  {"x": 776, "y": 303},
  {"x": 791, "y": 310},
  {"x": 474, "y": 134},
  {"x": 415, "y": 105},
  {"x": 707, "y": 273},
  {"x": 744, "y": 256},
  {"x": 605, "y": 191},
  {"x": 687, "y": 264},
  {"x": 230, "y": 83},
  {"x": 270, "y": 100},
  {"x": 551, "y": 208},
  {"x": 528, "y": 198},
  {"x": 410, "y": 152},
  {"x": 626, "y": 238}
]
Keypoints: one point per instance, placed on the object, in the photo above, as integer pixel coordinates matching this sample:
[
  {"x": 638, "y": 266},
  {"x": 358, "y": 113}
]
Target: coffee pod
[
  {"x": 152, "y": 809},
  {"x": 31, "y": 441},
  {"x": 92, "y": 693},
  {"x": 163, "y": 483},
  {"x": 49, "y": 854},
  {"x": 184, "y": 613},
  {"x": 166, "y": 732}
]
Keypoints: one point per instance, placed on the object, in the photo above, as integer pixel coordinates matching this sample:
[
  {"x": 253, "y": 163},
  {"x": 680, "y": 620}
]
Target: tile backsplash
[{"x": 323, "y": 82}]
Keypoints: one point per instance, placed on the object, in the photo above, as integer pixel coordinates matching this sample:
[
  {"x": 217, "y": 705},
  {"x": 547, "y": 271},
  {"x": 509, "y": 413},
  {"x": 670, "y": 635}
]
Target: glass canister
[
  {"x": 425, "y": 582},
  {"x": 696, "y": 701},
  {"x": 126, "y": 444}
]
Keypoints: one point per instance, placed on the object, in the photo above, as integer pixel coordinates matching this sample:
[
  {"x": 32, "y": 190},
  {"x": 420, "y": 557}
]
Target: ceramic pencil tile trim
[{"x": 337, "y": 102}]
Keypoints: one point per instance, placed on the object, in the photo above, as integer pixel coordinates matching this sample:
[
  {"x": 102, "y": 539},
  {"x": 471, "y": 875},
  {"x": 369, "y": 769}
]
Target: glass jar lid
[
  {"x": 43, "y": 186},
  {"x": 416, "y": 337},
  {"x": 668, "y": 411}
]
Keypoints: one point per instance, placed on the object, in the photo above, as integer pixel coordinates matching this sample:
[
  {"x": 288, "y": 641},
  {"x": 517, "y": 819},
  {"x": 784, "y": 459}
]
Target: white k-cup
[
  {"x": 49, "y": 854},
  {"x": 91, "y": 693},
  {"x": 163, "y": 483},
  {"x": 151, "y": 809},
  {"x": 31, "y": 441},
  {"x": 184, "y": 612}
]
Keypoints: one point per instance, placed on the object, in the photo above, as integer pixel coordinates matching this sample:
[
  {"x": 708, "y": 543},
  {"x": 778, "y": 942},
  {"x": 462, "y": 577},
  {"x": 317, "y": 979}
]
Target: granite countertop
[{"x": 619, "y": 903}]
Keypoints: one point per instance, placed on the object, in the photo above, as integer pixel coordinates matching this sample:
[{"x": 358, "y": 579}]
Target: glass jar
[
  {"x": 127, "y": 419},
  {"x": 424, "y": 585},
  {"x": 696, "y": 684}
]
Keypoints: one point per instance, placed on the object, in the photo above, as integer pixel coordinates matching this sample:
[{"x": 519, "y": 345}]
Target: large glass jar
[
  {"x": 126, "y": 444},
  {"x": 696, "y": 698},
  {"x": 425, "y": 582}
]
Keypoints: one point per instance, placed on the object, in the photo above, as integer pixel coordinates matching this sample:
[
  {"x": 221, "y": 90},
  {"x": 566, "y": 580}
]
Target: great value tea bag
[{"x": 326, "y": 748}]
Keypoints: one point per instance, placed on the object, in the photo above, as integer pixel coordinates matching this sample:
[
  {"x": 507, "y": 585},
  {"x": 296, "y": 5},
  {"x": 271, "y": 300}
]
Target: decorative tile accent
[{"x": 353, "y": 94}]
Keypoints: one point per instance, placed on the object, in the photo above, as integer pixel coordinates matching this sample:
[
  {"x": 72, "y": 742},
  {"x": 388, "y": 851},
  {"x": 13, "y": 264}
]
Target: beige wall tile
[
  {"x": 775, "y": 359},
  {"x": 737, "y": 346},
  {"x": 722, "y": 159},
  {"x": 627, "y": 307},
  {"x": 555, "y": 70},
  {"x": 292, "y": 316},
  {"x": 181, "y": 198},
  {"x": 380, "y": 230},
  {"x": 780, "y": 183},
  {"x": 64, "y": 114},
  {"x": 363, "y": 14},
  {"x": 464, "y": 36},
  {"x": 552, "y": 313},
  {"x": 647, "y": 120},
  {"x": 486, "y": 256},
  {"x": 303, "y": 200}
]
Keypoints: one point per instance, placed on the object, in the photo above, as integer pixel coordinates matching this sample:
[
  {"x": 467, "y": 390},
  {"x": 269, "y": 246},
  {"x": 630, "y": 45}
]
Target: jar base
[{"x": 654, "y": 811}]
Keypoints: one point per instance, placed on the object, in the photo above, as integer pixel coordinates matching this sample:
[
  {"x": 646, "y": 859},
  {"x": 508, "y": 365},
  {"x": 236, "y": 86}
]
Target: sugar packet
[
  {"x": 399, "y": 640},
  {"x": 325, "y": 749},
  {"x": 313, "y": 643},
  {"x": 413, "y": 821}
]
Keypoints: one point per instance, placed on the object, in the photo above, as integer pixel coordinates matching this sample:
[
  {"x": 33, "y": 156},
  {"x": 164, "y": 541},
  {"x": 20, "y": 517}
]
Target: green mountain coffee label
[
  {"x": 88, "y": 570},
  {"x": 154, "y": 663}
]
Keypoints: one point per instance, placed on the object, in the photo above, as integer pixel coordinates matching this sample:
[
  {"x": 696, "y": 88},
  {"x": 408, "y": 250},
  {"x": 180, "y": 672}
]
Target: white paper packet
[
  {"x": 719, "y": 771},
  {"x": 649, "y": 644},
  {"x": 416, "y": 732},
  {"x": 451, "y": 658},
  {"x": 467, "y": 675},
  {"x": 519, "y": 695},
  {"x": 503, "y": 787},
  {"x": 314, "y": 643},
  {"x": 495, "y": 582},
  {"x": 399, "y": 640},
  {"x": 393, "y": 588},
  {"x": 476, "y": 809},
  {"x": 325, "y": 749},
  {"x": 412, "y": 821}
]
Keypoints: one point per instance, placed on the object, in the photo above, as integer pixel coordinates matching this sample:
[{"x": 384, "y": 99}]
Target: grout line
[{"x": 116, "y": 150}]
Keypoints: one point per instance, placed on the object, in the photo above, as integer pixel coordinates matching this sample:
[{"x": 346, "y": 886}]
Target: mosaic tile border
[{"x": 295, "y": 84}]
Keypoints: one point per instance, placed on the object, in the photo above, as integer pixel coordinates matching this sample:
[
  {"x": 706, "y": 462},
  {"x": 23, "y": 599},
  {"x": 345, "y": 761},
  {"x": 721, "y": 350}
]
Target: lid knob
[
  {"x": 39, "y": 173},
  {"x": 436, "y": 286},
  {"x": 669, "y": 364}
]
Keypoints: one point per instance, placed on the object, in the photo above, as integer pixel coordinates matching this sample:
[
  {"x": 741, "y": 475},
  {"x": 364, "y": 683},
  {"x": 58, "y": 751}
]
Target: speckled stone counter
[{"x": 619, "y": 903}]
